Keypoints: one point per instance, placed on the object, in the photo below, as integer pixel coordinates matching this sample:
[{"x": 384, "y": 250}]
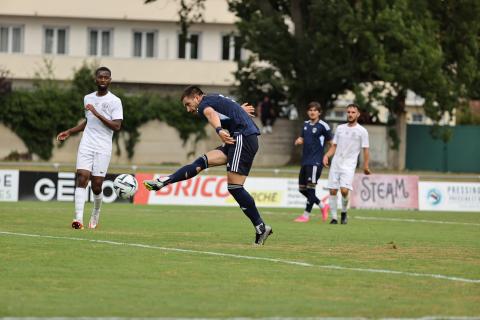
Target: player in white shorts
[
  {"x": 349, "y": 139},
  {"x": 104, "y": 114}
]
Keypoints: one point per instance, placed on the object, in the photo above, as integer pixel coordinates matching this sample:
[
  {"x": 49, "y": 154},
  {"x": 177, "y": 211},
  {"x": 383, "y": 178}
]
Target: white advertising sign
[
  {"x": 212, "y": 190},
  {"x": 8, "y": 185},
  {"x": 449, "y": 196}
]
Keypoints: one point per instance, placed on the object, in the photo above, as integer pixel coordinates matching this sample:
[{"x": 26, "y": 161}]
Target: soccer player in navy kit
[
  {"x": 239, "y": 134},
  {"x": 315, "y": 133}
]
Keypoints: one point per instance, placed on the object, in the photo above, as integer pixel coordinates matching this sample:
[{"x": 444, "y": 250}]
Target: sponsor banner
[
  {"x": 381, "y": 191},
  {"x": 212, "y": 190},
  {"x": 59, "y": 186},
  {"x": 8, "y": 185},
  {"x": 449, "y": 196}
]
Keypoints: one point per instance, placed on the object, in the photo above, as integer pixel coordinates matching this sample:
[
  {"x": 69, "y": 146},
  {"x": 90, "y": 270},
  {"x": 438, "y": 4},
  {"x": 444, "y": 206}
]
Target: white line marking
[
  {"x": 242, "y": 318},
  {"x": 237, "y": 256},
  {"x": 416, "y": 220}
]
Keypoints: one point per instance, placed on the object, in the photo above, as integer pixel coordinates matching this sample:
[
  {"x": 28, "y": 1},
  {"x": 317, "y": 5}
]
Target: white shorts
[
  {"x": 340, "y": 179},
  {"x": 96, "y": 163}
]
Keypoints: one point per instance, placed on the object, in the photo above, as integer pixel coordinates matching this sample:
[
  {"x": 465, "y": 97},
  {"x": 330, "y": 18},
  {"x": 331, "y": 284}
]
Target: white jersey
[
  {"x": 349, "y": 141},
  {"x": 97, "y": 137}
]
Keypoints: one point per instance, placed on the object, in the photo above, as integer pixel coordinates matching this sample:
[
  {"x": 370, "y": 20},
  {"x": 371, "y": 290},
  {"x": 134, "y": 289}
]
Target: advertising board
[
  {"x": 382, "y": 191},
  {"x": 8, "y": 185},
  {"x": 449, "y": 196}
]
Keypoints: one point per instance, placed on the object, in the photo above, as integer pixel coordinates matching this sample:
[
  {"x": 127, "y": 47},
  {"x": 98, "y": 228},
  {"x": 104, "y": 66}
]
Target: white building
[
  {"x": 415, "y": 114},
  {"x": 139, "y": 42}
]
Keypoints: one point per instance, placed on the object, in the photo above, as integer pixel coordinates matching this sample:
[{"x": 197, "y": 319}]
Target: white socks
[
  {"x": 344, "y": 203},
  {"x": 80, "y": 196},
  {"x": 333, "y": 206},
  {"x": 97, "y": 203}
]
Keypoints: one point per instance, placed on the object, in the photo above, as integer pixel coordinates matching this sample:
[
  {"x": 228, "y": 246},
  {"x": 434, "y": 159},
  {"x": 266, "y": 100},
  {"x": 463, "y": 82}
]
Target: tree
[
  {"x": 319, "y": 49},
  {"x": 322, "y": 48}
]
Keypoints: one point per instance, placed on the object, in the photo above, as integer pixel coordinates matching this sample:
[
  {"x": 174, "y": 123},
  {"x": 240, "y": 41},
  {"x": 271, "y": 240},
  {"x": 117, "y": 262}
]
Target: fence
[{"x": 460, "y": 154}]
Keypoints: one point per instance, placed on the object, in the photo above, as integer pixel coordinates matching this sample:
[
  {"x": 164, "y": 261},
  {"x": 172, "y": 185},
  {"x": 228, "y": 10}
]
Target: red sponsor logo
[{"x": 200, "y": 186}]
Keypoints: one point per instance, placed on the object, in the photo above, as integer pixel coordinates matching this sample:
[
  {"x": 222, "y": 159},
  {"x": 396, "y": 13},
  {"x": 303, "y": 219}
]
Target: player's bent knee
[
  {"x": 82, "y": 180},
  {"x": 96, "y": 189},
  {"x": 235, "y": 178},
  {"x": 201, "y": 163},
  {"x": 216, "y": 158},
  {"x": 233, "y": 188}
]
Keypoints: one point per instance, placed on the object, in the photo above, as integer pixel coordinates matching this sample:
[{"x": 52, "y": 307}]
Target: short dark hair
[
  {"x": 103, "y": 69},
  {"x": 190, "y": 91},
  {"x": 354, "y": 105},
  {"x": 316, "y": 105}
]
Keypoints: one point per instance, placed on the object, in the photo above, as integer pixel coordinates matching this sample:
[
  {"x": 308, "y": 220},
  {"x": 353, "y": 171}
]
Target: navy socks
[
  {"x": 247, "y": 204},
  {"x": 189, "y": 171},
  {"x": 312, "y": 199}
]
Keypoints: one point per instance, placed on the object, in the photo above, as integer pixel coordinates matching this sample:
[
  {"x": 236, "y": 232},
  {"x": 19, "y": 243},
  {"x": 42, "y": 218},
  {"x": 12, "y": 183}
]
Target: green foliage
[
  {"x": 38, "y": 115},
  {"x": 321, "y": 48},
  {"x": 84, "y": 80},
  {"x": 5, "y": 83},
  {"x": 139, "y": 109},
  {"x": 257, "y": 81},
  {"x": 464, "y": 115}
]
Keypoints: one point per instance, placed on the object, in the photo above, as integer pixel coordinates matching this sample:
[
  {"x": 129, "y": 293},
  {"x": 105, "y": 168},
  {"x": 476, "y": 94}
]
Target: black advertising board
[{"x": 59, "y": 186}]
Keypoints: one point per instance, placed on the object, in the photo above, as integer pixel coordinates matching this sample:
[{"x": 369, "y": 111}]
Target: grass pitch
[{"x": 368, "y": 268}]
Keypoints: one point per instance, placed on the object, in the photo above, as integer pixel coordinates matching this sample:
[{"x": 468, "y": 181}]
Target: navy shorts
[
  {"x": 309, "y": 175},
  {"x": 241, "y": 154}
]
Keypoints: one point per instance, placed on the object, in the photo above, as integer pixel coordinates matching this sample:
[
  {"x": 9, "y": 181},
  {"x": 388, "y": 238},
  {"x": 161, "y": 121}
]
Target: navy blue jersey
[
  {"x": 232, "y": 116},
  {"x": 314, "y": 137}
]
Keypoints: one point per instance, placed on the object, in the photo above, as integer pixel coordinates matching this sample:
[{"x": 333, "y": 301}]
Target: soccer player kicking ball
[
  {"x": 349, "y": 139},
  {"x": 104, "y": 114},
  {"x": 238, "y": 133},
  {"x": 314, "y": 134}
]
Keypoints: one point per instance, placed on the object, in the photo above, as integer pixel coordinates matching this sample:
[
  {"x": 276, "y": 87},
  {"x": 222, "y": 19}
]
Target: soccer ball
[{"x": 125, "y": 186}]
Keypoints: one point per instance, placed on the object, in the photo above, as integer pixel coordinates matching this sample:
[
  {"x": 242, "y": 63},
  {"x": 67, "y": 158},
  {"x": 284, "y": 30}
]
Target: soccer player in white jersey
[
  {"x": 103, "y": 116},
  {"x": 349, "y": 139}
]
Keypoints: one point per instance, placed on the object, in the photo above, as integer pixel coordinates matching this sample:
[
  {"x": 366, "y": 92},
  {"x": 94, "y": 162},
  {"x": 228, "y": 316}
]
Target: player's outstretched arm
[
  {"x": 298, "y": 141},
  {"x": 366, "y": 159},
  {"x": 214, "y": 121},
  {"x": 115, "y": 124},
  {"x": 62, "y": 136}
]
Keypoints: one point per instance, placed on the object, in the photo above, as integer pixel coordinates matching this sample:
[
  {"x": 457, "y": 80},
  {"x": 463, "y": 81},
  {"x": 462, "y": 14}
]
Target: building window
[
  {"x": 231, "y": 48},
  {"x": 338, "y": 115},
  {"x": 417, "y": 118},
  {"x": 144, "y": 44},
  {"x": 100, "y": 42},
  {"x": 11, "y": 39},
  {"x": 188, "y": 49},
  {"x": 55, "y": 40}
]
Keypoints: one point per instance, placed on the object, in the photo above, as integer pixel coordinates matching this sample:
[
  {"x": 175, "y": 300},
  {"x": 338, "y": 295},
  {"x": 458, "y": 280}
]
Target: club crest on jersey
[
  {"x": 105, "y": 107},
  {"x": 314, "y": 130}
]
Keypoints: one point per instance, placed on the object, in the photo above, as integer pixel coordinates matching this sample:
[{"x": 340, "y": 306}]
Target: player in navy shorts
[
  {"x": 239, "y": 135},
  {"x": 315, "y": 133}
]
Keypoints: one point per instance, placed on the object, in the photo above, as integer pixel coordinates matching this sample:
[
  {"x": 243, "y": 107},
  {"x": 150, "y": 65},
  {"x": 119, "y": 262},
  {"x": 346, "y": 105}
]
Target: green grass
[{"x": 62, "y": 277}]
